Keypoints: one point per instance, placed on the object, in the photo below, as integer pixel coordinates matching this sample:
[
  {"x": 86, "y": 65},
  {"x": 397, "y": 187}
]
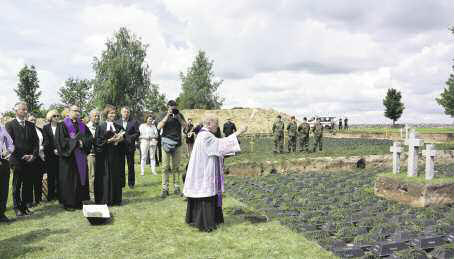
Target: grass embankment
[
  {"x": 396, "y": 130},
  {"x": 260, "y": 149},
  {"x": 146, "y": 226}
]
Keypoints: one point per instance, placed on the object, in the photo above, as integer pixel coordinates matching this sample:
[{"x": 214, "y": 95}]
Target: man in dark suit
[
  {"x": 131, "y": 128},
  {"x": 26, "y": 151}
]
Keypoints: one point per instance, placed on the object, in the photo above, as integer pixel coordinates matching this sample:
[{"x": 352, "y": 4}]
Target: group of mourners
[{"x": 81, "y": 158}]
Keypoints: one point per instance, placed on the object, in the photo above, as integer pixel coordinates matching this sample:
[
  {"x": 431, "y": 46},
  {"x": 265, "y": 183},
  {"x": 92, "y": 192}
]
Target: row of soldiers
[{"x": 296, "y": 133}]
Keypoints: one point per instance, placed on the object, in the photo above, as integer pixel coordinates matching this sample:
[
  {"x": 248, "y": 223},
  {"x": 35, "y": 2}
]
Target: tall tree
[
  {"x": 199, "y": 86},
  {"x": 393, "y": 105},
  {"x": 153, "y": 100},
  {"x": 122, "y": 76},
  {"x": 446, "y": 97},
  {"x": 78, "y": 92},
  {"x": 27, "y": 88}
]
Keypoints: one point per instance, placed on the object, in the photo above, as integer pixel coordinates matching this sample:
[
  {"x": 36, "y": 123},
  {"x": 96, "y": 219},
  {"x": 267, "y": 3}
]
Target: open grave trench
[{"x": 337, "y": 208}]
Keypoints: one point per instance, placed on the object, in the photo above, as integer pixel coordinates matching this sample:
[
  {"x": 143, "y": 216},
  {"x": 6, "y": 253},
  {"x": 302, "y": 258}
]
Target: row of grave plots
[
  {"x": 263, "y": 144},
  {"x": 340, "y": 211}
]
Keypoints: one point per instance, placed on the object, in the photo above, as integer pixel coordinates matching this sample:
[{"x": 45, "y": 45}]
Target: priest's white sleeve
[{"x": 222, "y": 146}]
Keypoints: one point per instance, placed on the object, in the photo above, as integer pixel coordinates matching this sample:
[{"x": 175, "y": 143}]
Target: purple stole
[
  {"x": 81, "y": 160},
  {"x": 219, "y": 179}
]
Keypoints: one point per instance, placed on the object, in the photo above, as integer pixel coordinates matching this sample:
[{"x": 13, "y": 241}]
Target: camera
[{"x": 175, "y": 111}]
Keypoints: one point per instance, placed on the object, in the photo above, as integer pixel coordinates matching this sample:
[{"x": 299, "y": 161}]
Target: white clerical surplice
[{"x": 208, "y": 150}]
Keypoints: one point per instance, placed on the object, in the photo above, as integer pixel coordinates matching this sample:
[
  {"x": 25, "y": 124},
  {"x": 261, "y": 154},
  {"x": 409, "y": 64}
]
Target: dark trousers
[
  {"x": 37, "y": 184},
  {"x": 22, "y": 185},
  {"x": 52, "y": 177},
  {"x": 4, "y": 184},
  {"x": 129, "y": 155}
]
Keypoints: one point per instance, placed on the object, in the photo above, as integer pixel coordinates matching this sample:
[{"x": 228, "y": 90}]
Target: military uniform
[
  {"x": 304, "y": 135},
  {"x": 317, "y": 133},
  {"x": 292, "y": 136},
  {"x": 278, "y": 136}
]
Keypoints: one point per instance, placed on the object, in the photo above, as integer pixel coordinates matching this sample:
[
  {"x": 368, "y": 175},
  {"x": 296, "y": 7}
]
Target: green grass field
[{"x": 146, "y": 226}]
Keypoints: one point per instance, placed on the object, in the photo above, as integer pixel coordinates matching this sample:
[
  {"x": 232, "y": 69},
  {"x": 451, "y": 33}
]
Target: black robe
[
  {"x": 72, "y": 192},
  {"x": 108, "y": 181}
]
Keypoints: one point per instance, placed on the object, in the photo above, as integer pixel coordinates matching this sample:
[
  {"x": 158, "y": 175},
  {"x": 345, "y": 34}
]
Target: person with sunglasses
[{"x": 51, "y": 154}]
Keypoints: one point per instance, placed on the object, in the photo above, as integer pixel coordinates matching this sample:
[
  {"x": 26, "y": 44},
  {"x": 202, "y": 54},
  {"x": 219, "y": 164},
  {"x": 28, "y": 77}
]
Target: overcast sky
[{"x": 303, "y": 57}]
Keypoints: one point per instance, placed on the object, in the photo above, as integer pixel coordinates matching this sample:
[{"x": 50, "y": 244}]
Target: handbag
[{"x": 168, "y": 144}]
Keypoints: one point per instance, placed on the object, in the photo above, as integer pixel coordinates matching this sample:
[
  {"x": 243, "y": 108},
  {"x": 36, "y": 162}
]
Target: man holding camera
[{"x": 171, "y": 141}]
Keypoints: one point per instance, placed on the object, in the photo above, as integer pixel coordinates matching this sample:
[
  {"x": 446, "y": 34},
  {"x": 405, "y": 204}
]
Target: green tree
[
  {"x": 199, "y": 87},
  {"x": 122, "y": 76},
  {"x": 393, "y": 105},
  {"x": 153, "y": 100},
  {"x": 77, "y": 92},
  {"x": 446, "y": 97},
  {"x": 27, "y": 88}
]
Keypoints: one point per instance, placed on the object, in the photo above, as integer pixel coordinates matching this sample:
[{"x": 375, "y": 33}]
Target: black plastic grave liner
[
  {"x": 428, "y": 242},
  {"x": 409, "y": 254},
  {"x": 316, "y": 212},
  {"x": 348, "y": 251},
  {"x": 388, "y": 248}
]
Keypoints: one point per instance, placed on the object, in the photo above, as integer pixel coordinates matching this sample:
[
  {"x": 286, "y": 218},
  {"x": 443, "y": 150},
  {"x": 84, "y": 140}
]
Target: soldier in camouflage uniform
[
  {"x": 292, "y": 135},
  {"x": 304, "y": 134},
  {"x": 278, "y": 135},
  {"x": 317, "y": 133}
]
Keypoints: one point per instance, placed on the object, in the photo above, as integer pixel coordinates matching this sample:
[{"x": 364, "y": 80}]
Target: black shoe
[
  {"x": 28, "y": 212},
  {"x": 164, "y": 193},
  {"x": 4, "y": 219},
  {"x": 69, "y": 209},
  {"x": 19, "y": 213}
]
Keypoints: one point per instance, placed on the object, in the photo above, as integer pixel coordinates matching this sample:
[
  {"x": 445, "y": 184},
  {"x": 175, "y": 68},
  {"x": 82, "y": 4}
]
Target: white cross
[
  {"x": 396, "y": 150},
  {"x": 406, "y": 129},
  {"x": 414, "y": 145},
  {"x": 429, "y": 153}
]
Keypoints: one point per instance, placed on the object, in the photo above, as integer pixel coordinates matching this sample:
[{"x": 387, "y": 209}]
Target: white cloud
[{"x": 302, "y": 57}]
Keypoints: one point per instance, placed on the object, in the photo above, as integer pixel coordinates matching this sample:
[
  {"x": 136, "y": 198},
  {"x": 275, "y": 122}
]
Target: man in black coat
[
  {"x": 26, "y": 151},
  {"x": 127, "y": 148},
  {"x": 51, "y": 154}
]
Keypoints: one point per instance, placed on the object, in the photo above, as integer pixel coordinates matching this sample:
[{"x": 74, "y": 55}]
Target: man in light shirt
[
  {"x": 92, "y": 125},
  {"x": 6, "y": 149}
]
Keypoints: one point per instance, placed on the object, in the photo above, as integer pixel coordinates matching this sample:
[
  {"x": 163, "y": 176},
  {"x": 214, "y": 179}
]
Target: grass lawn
[
  {"x": 146, "y": 226},
  {"x": 389, "y": 130}
]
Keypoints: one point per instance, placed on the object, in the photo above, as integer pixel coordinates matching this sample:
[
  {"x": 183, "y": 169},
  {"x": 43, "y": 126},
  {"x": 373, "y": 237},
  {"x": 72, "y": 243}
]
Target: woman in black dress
[{"x": 108, "y": 186}]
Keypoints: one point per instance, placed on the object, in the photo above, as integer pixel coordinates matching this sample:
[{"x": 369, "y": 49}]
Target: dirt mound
[{"x": 261, "y": 123}]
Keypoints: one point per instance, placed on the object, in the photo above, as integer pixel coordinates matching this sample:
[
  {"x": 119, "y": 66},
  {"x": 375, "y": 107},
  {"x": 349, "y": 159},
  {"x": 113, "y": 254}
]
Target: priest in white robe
[{"x": 204, "y": 183}]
